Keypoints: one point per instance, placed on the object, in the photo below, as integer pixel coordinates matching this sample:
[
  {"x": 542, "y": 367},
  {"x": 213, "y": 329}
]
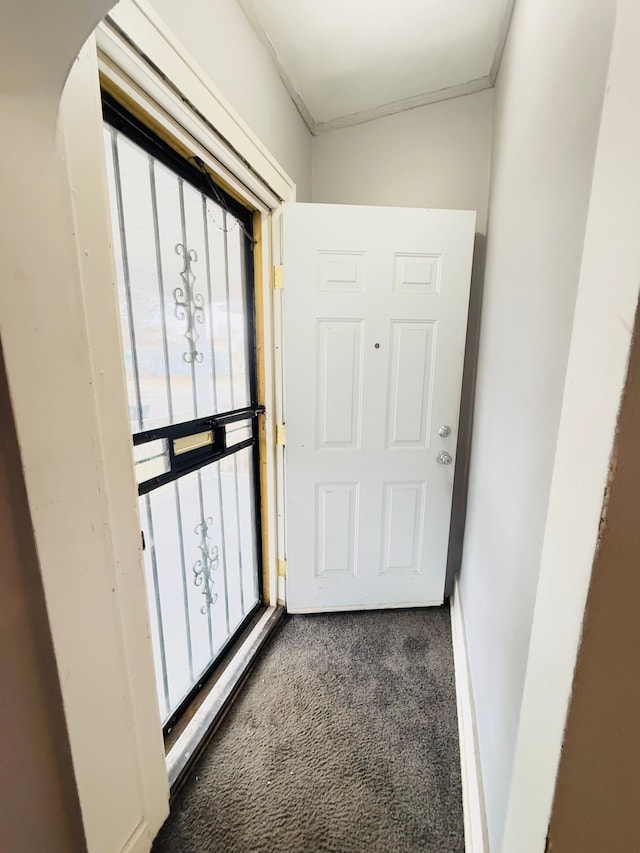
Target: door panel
[
  {"x": 336, "y": 528},
  {"x": 402, "y": 527},
  {"x": 375, "y": 311},
  {"x": 340, "y": 360},
  {"x": 410, "y": 383}
]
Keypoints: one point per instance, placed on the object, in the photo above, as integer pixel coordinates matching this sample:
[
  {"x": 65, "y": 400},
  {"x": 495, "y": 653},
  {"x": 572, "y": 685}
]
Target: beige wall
[
  {"x": 76, "y": 461},
  {"x": 598, "y": 786},
  {"x": 433, "y": 156},
  {"x": 547, "y": 108},
  {"x": 221, "y": 40},
  {"x": 39, "y": 807},
  {"x": 604, "y": 317}
]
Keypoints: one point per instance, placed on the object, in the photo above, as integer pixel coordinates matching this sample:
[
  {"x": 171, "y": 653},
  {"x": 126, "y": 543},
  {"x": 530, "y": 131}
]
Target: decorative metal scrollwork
[
  {"x": 189, "y": 305},
  {"x": 204, "y": 568}
]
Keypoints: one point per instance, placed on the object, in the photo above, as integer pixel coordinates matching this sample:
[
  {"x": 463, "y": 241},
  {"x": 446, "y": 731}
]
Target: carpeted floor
[{"x": 343, "y": 740}]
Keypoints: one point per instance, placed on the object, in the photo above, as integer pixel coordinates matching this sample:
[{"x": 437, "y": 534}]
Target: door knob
[
  {"x": 444, "y": 458},
  {"x": 444, "y": 430}
]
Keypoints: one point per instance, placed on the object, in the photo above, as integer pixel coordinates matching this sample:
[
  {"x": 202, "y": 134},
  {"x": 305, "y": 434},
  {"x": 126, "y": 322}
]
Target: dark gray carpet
[{"x": 343, "y": 740}]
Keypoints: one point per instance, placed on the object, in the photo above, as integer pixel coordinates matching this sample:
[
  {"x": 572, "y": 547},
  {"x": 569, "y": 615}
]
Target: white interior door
[{"x": 375, "y": 314}]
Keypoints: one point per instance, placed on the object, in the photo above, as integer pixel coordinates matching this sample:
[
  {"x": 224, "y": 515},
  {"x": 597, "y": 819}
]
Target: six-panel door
[{"x": 375, "y": 312}]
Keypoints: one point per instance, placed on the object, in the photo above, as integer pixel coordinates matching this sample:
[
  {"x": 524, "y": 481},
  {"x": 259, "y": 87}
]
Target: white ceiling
[{"x": 348, "y": 61}]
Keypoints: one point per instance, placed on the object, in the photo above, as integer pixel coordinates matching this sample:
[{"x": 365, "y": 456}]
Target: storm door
[{"x": 184, "y": 262}]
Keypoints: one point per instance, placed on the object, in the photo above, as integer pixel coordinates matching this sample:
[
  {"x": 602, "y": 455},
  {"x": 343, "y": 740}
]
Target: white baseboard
[{"x": 475, "y": 824}]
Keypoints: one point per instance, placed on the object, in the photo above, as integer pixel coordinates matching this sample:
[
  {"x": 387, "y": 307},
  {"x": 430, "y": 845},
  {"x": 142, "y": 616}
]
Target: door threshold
[{"x": 197, "y": 732}]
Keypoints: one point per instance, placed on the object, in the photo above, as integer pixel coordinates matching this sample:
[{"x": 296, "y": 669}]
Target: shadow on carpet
[{"x": 343, "y": 740}]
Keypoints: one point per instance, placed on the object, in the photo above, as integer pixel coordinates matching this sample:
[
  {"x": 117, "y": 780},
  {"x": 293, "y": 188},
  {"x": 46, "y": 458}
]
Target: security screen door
[
  {"x": 184, "y": 264},
  {"x": 375, "y": 314}
]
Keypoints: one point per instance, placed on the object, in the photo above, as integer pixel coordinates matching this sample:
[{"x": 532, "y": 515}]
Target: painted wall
[
  {"x": 547, "y": 108},
  {"x": 59, "y": 334},
  {"x": 220, "y": 39},
  {"x": 433, "y": 156},
  {"x": 76, "y": 462},
  {"x": 605, "y": 312}
]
